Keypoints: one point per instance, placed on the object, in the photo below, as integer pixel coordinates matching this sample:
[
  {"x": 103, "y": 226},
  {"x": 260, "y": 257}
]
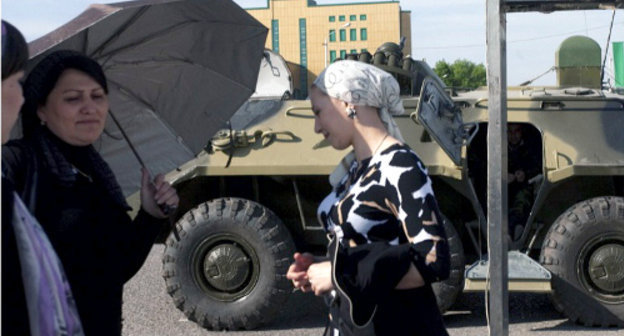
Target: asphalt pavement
[{"x": 149, "y": 311}]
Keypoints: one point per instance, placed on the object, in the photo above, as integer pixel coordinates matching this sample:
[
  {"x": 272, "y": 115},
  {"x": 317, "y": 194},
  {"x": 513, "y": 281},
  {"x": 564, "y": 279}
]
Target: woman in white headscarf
[{"x": 388, "y": 242}]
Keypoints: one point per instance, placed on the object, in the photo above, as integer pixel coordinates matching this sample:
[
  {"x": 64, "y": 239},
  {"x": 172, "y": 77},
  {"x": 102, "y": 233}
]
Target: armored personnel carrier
[{"x": 248, "y": 202}]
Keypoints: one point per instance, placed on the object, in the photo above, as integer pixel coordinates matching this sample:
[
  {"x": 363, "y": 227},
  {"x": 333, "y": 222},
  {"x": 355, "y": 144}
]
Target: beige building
[{"x": 310, "y": 36}]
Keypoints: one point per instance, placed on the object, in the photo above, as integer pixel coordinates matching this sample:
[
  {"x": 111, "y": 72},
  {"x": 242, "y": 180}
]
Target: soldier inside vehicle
[{"x": 523, "y": 165}]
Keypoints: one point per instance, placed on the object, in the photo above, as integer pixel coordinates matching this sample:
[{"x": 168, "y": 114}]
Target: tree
[{"x": 462, "y": 73}]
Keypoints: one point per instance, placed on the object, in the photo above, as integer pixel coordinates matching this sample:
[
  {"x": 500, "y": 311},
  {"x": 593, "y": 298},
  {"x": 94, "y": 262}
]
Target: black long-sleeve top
[
  {"x": 14, "y": 311},
  {"x": 79, "y": 204}
]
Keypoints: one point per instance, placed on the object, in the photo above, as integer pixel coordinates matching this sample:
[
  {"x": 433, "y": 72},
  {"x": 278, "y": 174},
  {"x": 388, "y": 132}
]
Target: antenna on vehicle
[
  {"x": 604, "y": 61},
  {"x": 552, "y": 68},
  {"x": 402, "y": 42}
]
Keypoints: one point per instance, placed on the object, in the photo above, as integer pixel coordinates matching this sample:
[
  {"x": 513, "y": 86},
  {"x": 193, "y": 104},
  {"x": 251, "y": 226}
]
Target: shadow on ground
[
  {"x": 469, "y": 311},
  {"x": 302, "y": 311}
]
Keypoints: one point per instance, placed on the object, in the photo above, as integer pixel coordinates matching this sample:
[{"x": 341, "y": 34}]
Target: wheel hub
[
  {"x": 226, "y": 267},
  {"x": 606, "y": 268}
]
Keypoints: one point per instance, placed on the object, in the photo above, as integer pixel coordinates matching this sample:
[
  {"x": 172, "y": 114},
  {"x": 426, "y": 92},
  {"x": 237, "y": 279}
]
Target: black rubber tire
[
  {"x": 590, "y": 233},
  {"x": 225, "y": 225},
  {"x": 448, "y": 290}
]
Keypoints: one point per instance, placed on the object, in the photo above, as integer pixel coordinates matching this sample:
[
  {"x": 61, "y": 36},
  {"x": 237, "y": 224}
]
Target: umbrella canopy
[{"x": 176, "y": 71}]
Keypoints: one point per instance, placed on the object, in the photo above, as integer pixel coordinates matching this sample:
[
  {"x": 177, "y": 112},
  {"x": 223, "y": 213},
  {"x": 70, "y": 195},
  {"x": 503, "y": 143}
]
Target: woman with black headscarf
[{"x": 74, "y": 194}]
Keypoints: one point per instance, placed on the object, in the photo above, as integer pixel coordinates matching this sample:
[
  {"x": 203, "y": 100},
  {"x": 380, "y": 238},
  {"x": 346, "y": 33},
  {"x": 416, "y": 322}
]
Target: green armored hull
[{"x": 249, "y": 201}]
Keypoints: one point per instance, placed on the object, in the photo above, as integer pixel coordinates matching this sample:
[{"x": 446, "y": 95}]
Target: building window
[
  {"x": 303, "y": 56},
  {"x": 353, "y": 51},
  {"x": 332, "y": 18},
  {"x": 332, "y": 56},
  {"x": 341, "y": 18},
  {"x": 353, "y": 34},
  {"x": 332, "y": 35},
  {"x": 343, "y": 35},
  {"x": 352, "y": 17},
  {"x": 275, "y": 35},
  {"x": 363, "y": 34},
  {"x": 364, "y": 50},
  {"x": 343, "y": 54},
  {"x": 362, "y": 17}
]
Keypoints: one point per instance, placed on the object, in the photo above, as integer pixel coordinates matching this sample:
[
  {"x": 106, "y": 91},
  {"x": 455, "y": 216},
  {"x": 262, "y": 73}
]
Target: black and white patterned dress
[{"x": 388, "y": 215}]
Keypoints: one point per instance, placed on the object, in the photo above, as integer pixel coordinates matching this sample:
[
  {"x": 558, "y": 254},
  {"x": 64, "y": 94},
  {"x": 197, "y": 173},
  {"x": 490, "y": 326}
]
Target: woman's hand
[
  {"x": 155, "y": 194},
  {"x": 297, "y": 272},
  {"x": 319, "y": 277}
]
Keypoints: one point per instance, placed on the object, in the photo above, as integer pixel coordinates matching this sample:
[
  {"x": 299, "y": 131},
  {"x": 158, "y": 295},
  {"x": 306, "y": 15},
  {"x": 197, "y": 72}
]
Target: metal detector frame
[{"x": 496, "y": 10}]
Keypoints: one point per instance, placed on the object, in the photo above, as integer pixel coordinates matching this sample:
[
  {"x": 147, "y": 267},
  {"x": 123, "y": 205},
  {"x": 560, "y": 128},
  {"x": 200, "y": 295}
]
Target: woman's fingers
[
  {"x": 156, "y": 193},
  {"x": 298, "y": 276},
  {"x": 304, "y": 260},
  {"x": 167, "y": 195},
  {"x": 160, "y": 185},
  {"x": 298, "y": 271},
  {"x": 159, "y": 180},
  {"x": 295, "y": 275},
  {"x": 164, "y": 192},
  {"x": 319, "y": 275}
]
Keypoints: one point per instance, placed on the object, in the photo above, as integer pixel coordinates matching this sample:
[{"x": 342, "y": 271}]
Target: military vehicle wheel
[
  {"x": 584, "y": 250},
  {"x": 447, "y": 291},
  {"x": 228, "y": 269}
]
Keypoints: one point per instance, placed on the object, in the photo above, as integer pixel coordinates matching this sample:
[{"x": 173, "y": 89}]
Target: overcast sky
[{"x": 447, "y": 29}]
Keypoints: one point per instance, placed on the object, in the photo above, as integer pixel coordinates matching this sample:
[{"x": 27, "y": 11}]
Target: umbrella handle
[{"x": 165, "y": 208}]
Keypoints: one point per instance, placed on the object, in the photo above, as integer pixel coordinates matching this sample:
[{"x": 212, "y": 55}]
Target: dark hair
[
  {"x": 14, "y": 50},
  {"x": 43, "y": 77}
]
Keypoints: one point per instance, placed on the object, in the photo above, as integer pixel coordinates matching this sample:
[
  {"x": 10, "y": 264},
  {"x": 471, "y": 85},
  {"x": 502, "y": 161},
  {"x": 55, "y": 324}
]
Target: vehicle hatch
[{"x": 441, "y": 117}]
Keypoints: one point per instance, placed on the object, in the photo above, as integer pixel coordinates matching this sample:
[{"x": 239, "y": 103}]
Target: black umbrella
[{"x": 176, "y": 70}]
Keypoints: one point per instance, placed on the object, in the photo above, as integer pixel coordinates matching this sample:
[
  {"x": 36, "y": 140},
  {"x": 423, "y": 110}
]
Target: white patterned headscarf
[{"x": 362, "y": 84}]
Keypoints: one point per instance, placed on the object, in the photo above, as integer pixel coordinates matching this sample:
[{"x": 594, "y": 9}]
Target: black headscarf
[
  {"x": 14, "y": 50},
  {"x": 43, "y": 77}
]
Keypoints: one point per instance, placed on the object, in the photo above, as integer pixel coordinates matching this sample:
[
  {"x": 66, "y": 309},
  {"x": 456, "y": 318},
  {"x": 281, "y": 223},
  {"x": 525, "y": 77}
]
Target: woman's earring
[
  {"x": 42, "y": 123},
  {"x": 351, "y": 112}
]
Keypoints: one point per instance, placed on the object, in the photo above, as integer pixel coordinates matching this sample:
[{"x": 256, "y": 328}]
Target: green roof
[{"x": 578, "y": 51}]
